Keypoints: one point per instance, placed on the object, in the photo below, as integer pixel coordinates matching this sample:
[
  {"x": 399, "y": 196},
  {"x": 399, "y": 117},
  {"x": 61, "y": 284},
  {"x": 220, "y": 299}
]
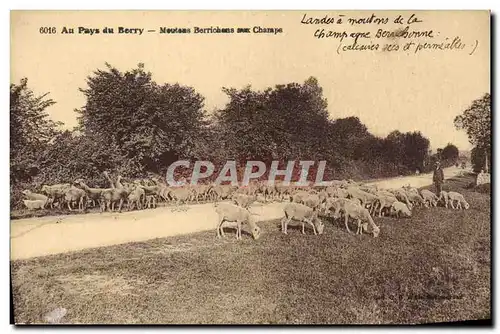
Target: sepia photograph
[{"x": 250, "y": 167}]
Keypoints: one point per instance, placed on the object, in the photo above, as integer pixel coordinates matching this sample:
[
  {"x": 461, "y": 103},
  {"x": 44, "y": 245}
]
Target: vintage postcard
[{"x": 250, "y": 167}]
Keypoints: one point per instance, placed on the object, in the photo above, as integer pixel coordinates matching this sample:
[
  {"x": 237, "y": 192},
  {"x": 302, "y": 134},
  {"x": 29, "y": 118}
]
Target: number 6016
[{"x": 47, "y": 30}]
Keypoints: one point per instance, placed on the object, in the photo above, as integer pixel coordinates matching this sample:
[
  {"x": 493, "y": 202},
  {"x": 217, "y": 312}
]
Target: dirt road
[{"x": 58, "y": 234}]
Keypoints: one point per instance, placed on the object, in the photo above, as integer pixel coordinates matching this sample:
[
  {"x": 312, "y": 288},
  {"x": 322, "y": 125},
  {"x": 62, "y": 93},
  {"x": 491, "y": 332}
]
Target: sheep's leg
[
  {"x": 69, "y": 206},
  {"x": 222, "y": 231},
  {"x": 347, "y": 225},
  {"x": 219, "y": 227},
  {"x": 451, "y": 203},
  {"x": 312, "y": 224},
  {"x": 286, "y": 225},
  {"x": 358, "y": 231},
  {"x": 238, "y": 230},
  {"x": 283, "y": 224}
]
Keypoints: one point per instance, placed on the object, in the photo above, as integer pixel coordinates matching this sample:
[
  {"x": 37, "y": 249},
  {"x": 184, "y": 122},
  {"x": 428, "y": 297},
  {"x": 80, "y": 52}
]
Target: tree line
[{"x": 135, "y": 127}]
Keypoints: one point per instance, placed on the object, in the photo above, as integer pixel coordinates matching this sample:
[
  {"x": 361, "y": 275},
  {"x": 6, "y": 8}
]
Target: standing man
[{"x": 438, "y": 178}]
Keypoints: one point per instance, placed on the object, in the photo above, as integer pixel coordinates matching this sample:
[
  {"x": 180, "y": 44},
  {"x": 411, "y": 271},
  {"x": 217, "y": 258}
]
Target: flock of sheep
[{"x": 346, "y": 199}]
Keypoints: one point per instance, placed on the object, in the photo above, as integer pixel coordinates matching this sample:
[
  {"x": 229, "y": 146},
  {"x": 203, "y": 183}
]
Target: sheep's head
[
  {"x": 376, "y": 232},
  {"x": 256, "y": 231},
  {"x": 407, "y": 212},
  {"x": 319, "y": 225},
  {"x": 26, "y": 192}
]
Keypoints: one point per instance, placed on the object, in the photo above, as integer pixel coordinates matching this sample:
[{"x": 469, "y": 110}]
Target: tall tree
[
  {"x": 154, "y": 124},
  {"x": 476, "y": 121},
  {"x": 450, "y": 152},
  {"x": 30, "y": 129}
]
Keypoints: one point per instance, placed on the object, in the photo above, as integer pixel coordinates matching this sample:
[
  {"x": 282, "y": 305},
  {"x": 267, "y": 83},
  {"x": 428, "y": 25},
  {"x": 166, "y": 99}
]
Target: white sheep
[
  {"x": 299, "y": 196},
  {"x": 303, "y": 214},
  {"x": 232, "y": 213},
  {"x": 367, "y": 199},
  {"x": 459, "y": 198},
  {"x": 385, "y": 200},
  {"x": 34, "y": 196},
  {"x": 416, "y": 199},
  {"x": 398, "y": 208},
  {"x": 35, "y": 204},
  {"x": 444, "y": 196},
  {"x": 244, "y": 200},
  {"x": 361, "y": 214},
  {"x": 429, "y": 196},
  {"x": 312, "y": 201},
  {"x": 402, "y": 196}
]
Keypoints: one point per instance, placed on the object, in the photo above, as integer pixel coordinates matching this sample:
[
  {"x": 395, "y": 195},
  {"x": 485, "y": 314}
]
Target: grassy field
[{"x": 433, "y": 267}]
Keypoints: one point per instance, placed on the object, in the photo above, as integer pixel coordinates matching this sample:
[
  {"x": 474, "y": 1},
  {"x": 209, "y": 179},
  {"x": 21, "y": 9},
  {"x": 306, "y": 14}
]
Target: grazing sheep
[
  {"x": 56, "y": 192},
  {"x": 337, "y": 205},
  {"x": 281, "y": 190},
  {"x": 229, "y": 212},
  {"x": 361, "y": 214},
  {"x": 180, "y": 195},
  {"x": 403, "y": 197},
  {"x": 416, "y": 199},
  {"x": 299, "y": 196},
  {"x": 34, "y": 196},
  {"x": 93, "y": 194},
  {"x": 245, "y": 201},
  {"x": 367, "y": 199},
  {"x": 385, "y": 200},
  {"x": 303, "y": 214},
  {"x": 34, "y": 204},
  {"x": 110, "y": 196},
  {"x": 220, "y": 192},
  {"x": 444, "y": 196},
  {"x": 136, "y": 198},
  {"x": 312, "y": 201},
  {"x": 398, "y": 208},
  {"x": 459, "y": 198},
  {"x": 429, "y": 196},
  {"x": 75, "y": 195}
]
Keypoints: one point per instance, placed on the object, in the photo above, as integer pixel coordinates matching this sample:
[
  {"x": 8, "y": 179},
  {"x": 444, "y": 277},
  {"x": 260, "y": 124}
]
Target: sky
[{"x": 400, "y": 90}]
